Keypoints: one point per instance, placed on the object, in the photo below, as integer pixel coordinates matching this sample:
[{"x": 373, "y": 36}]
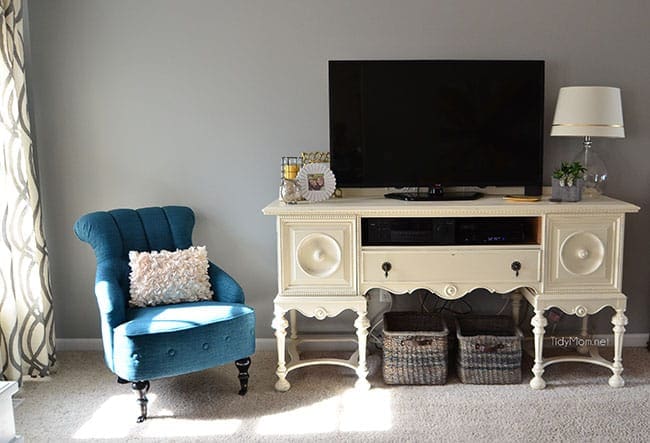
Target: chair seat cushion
[
  {"x": 163, "y": 341},
  {"x": 171, "y": 318}
]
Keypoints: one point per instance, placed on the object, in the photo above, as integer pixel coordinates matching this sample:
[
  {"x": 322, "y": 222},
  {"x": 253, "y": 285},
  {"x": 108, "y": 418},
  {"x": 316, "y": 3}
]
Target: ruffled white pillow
[{"x": 162, "y": 278}]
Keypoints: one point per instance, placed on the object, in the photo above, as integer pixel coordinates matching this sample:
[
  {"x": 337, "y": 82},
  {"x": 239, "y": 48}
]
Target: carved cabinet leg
[
  {"x": 293, "y": 324},
  {"x": 242, "y": 366},
  {"x": 280, "y": 325},
  {"x": 539, "y": 323},
  {"x": 362, "y": 324},
  {"x": 619, "y": 320}
]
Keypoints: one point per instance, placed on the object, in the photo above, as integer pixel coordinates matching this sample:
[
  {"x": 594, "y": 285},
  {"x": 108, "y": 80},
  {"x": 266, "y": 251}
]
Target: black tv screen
[{"x": 407, "y": 123}]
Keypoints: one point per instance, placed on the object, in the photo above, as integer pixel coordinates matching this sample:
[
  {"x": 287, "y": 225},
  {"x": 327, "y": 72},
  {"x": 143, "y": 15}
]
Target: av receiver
[{"x": 431, "y": 231}]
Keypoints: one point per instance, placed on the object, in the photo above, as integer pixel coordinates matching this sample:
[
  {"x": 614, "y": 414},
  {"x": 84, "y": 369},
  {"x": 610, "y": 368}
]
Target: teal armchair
[{"x": 141, "y": 344}]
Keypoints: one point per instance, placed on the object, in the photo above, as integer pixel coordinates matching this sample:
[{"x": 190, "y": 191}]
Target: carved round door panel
[
  {"x": 582, "y": 253},
  {"x": 318, "y": 255}
]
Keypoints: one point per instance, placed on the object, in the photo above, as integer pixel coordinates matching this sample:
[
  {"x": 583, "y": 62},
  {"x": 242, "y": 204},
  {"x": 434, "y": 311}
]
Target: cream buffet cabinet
[{"x": 573, "y": 260}]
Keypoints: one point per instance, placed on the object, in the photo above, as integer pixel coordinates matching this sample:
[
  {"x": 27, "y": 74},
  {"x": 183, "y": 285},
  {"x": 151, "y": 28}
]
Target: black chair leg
[
  {"x": 242, "y": 366},
  {"x": 140, "y": 388}
]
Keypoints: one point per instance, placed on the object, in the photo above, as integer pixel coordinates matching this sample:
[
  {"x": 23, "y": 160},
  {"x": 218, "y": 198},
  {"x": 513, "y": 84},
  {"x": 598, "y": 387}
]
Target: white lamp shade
[{"x": 593, "y": 111}]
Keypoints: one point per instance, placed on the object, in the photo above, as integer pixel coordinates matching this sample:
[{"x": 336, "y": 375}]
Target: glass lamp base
[{"x": 596, "y": 173}]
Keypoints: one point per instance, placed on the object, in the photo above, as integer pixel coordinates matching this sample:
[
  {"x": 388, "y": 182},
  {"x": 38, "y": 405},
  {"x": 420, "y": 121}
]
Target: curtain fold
[{"x": 26, "y": 314}]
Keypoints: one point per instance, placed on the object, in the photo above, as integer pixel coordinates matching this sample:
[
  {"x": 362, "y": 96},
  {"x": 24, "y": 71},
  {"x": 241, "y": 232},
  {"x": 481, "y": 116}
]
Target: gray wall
[{"x": 162, "y": 102}]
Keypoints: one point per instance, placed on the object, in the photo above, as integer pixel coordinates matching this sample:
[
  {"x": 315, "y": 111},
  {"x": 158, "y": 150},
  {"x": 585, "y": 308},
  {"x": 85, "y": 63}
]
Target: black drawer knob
[
  {"x": 516, "y": 266},
  {"x": 386, "y": 266}
]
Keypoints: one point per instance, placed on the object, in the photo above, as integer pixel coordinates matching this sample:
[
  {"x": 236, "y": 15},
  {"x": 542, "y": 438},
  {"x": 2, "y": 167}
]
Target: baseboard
[
  {"x": 268, "y": 344},
  {"x": 79, "y": 344},
  {"x": 265, "y": 344}
]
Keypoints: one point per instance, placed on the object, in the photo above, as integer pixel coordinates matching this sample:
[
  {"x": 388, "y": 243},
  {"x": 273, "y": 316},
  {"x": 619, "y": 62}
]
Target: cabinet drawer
[{"x": 431, "y": 265}]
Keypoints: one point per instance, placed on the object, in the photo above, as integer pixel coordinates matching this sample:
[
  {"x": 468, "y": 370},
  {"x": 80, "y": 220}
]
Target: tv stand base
[{"x": 325, "y": 267}]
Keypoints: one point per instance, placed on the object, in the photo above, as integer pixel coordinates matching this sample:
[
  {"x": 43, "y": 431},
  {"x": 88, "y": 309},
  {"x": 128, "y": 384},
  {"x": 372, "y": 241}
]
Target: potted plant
[{"x": 568, "y": 181}]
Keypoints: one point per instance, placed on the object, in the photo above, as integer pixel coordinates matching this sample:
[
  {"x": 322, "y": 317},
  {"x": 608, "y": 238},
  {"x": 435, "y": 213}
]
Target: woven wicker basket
[
  {"x": 415, "y": 349},
  {"x": 489, "y": 350}
]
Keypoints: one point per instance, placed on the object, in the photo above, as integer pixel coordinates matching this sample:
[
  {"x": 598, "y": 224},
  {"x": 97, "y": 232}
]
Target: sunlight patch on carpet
[
  {"x": 113, "y": 419},
  {"x": 366, "y": 411},
  {"x": 352, "y": 411},
  {"x": 186, "y": 428}
]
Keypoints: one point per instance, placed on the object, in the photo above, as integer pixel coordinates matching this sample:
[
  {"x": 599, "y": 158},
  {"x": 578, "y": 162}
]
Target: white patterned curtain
[{"x": 26, "y": 316}]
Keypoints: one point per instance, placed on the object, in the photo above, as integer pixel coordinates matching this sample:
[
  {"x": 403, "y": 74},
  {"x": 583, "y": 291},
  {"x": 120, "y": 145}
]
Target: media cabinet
[{"x": 571, "y": 258}]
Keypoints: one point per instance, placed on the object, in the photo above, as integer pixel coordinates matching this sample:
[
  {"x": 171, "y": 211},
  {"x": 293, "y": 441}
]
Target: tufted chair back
[{"x": 112, "y": 234}]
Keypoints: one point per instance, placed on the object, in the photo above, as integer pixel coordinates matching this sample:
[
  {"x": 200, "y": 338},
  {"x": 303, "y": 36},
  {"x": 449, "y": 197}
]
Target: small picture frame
[{"x": 316, "y": 182}]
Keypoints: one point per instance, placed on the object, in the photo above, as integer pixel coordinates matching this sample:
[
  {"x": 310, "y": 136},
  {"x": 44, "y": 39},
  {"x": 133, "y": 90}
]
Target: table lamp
[{"x": 589, "y": 111}]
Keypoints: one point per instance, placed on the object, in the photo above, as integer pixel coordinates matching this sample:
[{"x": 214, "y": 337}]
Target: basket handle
[
  {"x": 480, "y": 347},
  {"x": 417, "y": 342}
]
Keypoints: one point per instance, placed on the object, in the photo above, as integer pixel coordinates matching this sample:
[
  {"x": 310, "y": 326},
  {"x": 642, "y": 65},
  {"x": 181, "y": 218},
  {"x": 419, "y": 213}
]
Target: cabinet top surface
[{"x": 486, "y": 205}]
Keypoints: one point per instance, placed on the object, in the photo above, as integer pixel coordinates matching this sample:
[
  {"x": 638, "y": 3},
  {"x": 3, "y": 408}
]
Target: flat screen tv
[{"x": 436, "y": 123}]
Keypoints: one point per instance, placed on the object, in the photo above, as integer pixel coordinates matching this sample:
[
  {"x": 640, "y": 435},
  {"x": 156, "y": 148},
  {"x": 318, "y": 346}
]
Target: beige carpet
[{"x": 83, "y": 402}]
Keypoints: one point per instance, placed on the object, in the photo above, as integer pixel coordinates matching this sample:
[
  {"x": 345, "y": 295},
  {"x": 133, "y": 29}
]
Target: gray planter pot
[{"x": 567, "y": 193}]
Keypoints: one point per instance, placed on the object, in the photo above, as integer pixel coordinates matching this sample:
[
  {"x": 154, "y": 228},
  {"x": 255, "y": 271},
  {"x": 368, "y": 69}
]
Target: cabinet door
[
  {"x": 583, "y": 253},
  {"x": 318, "y": 256}
]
